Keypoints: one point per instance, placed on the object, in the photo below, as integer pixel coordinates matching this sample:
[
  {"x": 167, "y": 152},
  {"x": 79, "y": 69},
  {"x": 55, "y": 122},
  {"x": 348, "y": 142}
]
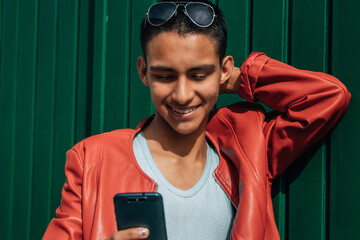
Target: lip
[{"x": 183, "y": 112}]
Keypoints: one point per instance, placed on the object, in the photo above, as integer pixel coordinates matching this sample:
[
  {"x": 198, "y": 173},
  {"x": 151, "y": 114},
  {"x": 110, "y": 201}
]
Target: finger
[{"x": 132, "y": 233}]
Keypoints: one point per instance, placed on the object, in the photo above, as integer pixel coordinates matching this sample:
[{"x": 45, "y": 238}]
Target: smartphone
[{"x": 141, "y": 210}]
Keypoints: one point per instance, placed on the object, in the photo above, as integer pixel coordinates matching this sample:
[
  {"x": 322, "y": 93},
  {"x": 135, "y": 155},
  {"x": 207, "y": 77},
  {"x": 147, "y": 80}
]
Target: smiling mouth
[{"x": 184, "y": 110}]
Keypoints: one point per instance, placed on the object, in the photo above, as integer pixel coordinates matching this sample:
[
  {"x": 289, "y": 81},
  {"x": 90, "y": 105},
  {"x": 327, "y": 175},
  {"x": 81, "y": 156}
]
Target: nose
[{"x": 183, "y": 92}]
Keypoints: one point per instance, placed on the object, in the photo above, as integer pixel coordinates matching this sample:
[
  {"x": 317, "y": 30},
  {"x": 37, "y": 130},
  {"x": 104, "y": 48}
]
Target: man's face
[{"x": 184, "y": 75}]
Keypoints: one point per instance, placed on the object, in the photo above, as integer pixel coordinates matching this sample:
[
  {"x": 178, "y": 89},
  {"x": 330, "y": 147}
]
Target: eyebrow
[
  {"x": 161, "y": 69},
  {"x": 169, "y": 69},
  {"x": 202, "y": 67}
]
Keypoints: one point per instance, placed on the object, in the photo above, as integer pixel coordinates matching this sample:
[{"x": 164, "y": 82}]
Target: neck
[{"x": 183, "y": 145}]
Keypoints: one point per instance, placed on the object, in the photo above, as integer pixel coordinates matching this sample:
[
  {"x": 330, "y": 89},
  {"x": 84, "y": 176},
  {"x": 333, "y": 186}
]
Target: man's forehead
[
  {"x": 165, "y": 38},
  {"x": 172, "y": 49}
]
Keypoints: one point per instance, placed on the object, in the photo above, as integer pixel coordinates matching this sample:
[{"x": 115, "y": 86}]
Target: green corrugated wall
[{"x": 67, "y": 71}]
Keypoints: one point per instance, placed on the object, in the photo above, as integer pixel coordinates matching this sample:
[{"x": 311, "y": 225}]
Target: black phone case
[{"x": 141, "y": 210}]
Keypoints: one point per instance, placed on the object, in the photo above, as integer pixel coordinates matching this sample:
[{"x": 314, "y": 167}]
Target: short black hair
[{"x": 180, "y": 23}]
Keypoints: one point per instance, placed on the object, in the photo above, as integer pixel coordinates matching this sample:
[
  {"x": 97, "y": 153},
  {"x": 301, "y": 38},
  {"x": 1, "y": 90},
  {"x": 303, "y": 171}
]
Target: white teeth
[{"x": 184, "y": 111}]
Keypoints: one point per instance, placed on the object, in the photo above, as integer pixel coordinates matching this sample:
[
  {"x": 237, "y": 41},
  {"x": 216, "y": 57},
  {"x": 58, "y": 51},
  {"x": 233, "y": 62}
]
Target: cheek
[
  {"x": 158, "y": 93},
  {"x": 210, "y": 91},
  {"x": 212, "y": 100}
]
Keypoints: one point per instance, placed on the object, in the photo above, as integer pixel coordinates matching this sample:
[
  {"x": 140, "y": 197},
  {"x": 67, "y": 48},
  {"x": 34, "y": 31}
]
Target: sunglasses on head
[{"x": 201, "y": 14}]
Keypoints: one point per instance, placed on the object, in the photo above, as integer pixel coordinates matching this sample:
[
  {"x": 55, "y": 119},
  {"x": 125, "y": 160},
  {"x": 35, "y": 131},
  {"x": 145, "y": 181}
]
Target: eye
[
  {"x": 164, "y": 77},
  {"x": 198, "y": 76}
]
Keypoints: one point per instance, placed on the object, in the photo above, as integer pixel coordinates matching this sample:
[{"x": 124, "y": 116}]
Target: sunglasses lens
[
  {"x": 201, "y": 14},
  {"x": 160, "y": 13}
]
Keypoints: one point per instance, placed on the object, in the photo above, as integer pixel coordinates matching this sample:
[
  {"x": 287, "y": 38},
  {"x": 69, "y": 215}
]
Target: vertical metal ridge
[
  {"x": 90, "y": 64},
  {"x": 54, "y": 103},
  {"x": 128, "y": 65},
  {"x": 32, "y": 153},
  {"x": 99, "y": 74},
  {"x": 284, "y": 193},
  {"x": 16, "y": 80},
  {"x": 37, "y": 67},
  {"x": 103, "y": 65},
  {"x": 285, "y": 31},
  {"x": 325, "y": 190},
  {"x": 52, "y": 123},
  {"x": 249, "y": 26},
  {"x": 94, "y": 70},
  {"x": 75, "y": 70},
  {"x": 1, "y": 33},
  {"x": 283, "y": 207},
  {"x": 327, "y": 36},
  {"x": 325, "y": 178}
]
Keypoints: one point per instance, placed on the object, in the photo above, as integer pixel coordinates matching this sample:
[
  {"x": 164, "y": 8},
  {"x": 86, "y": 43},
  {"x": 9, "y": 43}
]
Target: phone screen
[{"x": 141, "y": 210}]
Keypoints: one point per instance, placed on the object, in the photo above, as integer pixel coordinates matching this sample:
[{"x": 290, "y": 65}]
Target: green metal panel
[
  {"x": 24, "y": 122},
  {"x": 270, "y": 35},
  {"x": 118, "y": 65},
  {"x": 140, "y": 101},
  {"x": 8, "y": 90},
  {"x": 1, "y": 14},
  {"x": 65, "y": 83},
  {"x": 267, "y": 28},
  {"x": 99, "y": 74},
  {"x": 84, "y": 70},
  {"x": 345, "y": 144},
  {"x": 305, "y": 196},
  {"x": 238, "y": 16},
  {"x": 68, "y": 70},
  {"x": 308, "y": 177},
  {"x": 41, "y": 208}
]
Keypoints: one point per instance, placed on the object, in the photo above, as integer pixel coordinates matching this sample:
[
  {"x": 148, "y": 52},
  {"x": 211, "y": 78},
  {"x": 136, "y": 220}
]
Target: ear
[
  {"x": 226, "y": 69},
  {"x": 142, "y": 68}
]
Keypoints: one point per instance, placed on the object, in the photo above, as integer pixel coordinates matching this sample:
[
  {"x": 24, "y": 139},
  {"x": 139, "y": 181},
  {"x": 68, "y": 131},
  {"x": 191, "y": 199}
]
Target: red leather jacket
[{"x": 253, "y": 150}]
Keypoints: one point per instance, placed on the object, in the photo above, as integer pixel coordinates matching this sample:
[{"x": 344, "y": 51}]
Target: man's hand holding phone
[{"x": 139, "y": 216}]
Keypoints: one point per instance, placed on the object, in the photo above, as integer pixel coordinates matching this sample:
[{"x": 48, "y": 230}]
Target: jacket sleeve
[
  {"x": 309, "y": 105},
  {"x": 68, "y": 221}
]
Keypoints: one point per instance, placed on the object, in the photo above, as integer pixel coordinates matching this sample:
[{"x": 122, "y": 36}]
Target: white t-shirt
[{"x": 202, "y": 212}]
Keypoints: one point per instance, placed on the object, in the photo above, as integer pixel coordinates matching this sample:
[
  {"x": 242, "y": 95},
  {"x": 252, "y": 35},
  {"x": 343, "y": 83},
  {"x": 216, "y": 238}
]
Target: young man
[{"x": 214, "y": 170}]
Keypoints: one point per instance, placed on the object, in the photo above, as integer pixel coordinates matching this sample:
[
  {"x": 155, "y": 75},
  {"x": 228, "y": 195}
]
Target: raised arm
[{"x": 309, "y": 105}]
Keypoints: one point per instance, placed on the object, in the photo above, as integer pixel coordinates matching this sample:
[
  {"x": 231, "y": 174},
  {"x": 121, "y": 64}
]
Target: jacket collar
[{"x": 225, "y": 174}]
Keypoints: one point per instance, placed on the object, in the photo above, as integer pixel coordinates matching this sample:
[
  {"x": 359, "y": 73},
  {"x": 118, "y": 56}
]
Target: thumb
[{"x": 131, "y": 233}]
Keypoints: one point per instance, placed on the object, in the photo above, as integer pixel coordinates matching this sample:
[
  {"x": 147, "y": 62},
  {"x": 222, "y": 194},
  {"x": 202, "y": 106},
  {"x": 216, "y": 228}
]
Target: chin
[{"x": 186, "y": 130}]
